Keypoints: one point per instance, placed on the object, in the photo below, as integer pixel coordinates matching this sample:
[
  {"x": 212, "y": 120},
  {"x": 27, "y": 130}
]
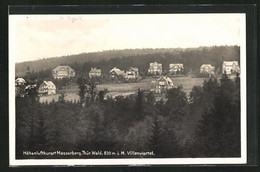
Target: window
[{"x": 161, "y": 83}]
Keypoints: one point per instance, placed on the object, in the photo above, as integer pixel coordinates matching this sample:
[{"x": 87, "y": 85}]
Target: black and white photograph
[{"x": 122, "y": 89}]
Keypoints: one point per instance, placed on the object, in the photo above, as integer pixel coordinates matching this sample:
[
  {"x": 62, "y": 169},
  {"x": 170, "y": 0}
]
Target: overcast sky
[{"x": 33, "y": 37}]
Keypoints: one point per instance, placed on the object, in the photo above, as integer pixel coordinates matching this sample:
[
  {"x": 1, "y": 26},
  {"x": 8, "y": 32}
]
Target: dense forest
[
  {"x": 192, "y": 58},
  {"x": 207, "y": 124}
]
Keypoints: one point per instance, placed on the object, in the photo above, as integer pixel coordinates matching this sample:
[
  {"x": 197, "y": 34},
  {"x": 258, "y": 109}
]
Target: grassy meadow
[{"x": 125, "y": 89}]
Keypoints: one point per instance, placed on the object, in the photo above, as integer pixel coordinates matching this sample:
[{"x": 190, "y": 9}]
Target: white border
[{"x": 132, "y": 161}]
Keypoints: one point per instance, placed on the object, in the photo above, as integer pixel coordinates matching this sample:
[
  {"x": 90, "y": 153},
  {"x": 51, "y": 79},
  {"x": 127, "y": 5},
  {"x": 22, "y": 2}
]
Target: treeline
[
  {"x": 192, "y": 58},
  {"x": 205, "y": 125}
]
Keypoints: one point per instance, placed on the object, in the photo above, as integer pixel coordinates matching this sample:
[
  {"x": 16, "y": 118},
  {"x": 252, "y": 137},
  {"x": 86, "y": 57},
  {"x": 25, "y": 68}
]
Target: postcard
[{"x": 127, "y": 89}]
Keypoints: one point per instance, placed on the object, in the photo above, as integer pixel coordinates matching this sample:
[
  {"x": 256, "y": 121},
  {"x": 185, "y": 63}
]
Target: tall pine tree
[{"x": 220, "y": 127}]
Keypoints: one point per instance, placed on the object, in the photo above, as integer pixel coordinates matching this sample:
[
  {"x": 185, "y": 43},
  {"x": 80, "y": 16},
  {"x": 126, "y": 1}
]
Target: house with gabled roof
[
  {"x": 175, "y": 68},
  {"x": 162, "y": 84},
  {"x": 115, "y": 72},
  {"x": 230, "y": 67},
  {"x": 47, "y": 88},
  {"x": 132, "y": 73},
  {"x": 63, "y": 71},
  {"x": 155, "y": 68},
  {"x": 207, "y": 69},
  {"x": 94, "y": 72},
  {"x": 19, "y": 81}
]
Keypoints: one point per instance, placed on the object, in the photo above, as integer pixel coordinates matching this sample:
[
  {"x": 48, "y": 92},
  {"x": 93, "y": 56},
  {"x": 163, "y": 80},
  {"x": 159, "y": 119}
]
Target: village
[{"x": 154, "y": 82}]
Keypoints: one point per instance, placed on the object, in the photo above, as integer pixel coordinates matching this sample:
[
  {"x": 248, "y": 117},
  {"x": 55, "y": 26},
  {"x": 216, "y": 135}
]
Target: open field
[
  {"x": 69, "y": 96},
  {"x": 126, "y": 89}
]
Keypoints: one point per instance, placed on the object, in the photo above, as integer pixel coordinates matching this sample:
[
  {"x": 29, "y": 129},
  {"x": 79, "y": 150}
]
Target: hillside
[{"x": 192, "y": 58}]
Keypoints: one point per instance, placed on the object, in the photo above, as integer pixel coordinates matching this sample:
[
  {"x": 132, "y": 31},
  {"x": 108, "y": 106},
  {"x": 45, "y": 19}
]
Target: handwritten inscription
[{"x": 71, "y": 18}]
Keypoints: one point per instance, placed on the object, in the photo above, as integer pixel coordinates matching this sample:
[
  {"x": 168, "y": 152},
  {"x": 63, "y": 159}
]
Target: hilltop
[{"x": 192, "y": 58}]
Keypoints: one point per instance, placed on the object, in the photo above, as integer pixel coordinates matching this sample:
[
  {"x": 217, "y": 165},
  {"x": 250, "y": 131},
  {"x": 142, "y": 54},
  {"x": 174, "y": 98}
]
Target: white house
[
  {"x": 19, "y": 81},
  {"x": 230, "y": 67},
  {"x": 132, "y": 73},
  {"x": 175, "y": 67},
  {"x": 155, "y": 68},
  {"x": 162, "y": 84},
  {"x": 61, "y": 72},
  {"x": 207, "y": 69},
  {"x": 47, "y": 87},
  {"x": 94, "y": 72}
]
